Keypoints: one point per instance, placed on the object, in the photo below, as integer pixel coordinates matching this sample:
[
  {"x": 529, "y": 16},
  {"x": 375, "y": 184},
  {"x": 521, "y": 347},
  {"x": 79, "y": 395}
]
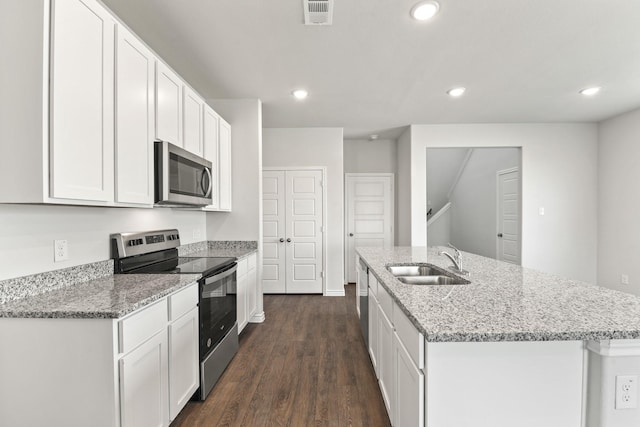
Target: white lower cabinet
[
  {"x": 373, "y": 331},
  {"x": 397, "y": 353},
  {"x": 409, "y": 387},
  {"x": 183, "y": 361},
  {"x": 246, "y": 290},
  {"x": 143, "y": 384},
  {"x": 386, "y": 377},
  {"x": 135, "y": 371}
]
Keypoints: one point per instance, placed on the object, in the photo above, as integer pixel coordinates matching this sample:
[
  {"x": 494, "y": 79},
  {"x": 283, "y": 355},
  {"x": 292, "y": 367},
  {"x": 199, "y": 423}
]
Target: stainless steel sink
[
  {"x": 413, "y": 270},
  {"x": 431, "y": 280},
  {"x": 424, "y": 274}
]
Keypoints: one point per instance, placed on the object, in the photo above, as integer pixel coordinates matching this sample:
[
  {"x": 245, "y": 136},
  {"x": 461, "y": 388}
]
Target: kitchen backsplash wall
[{"x": 27, "y": 233}]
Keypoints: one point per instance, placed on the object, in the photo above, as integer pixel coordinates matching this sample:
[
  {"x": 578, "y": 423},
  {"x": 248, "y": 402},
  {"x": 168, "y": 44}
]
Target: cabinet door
[
  {"x": 135, "y": 121},
  {"x": 144, "y": 383},
  {"x": 373, "y": 331},
  {"x": 225, "y": 165},
  {"x": 358, "y": 273},
  {"x": 409, "y": 387},
  {"x": 168, "y": 105},
  {"x": 385, "y": 360},
  {"x": 192, "y": 107},
  {"x": 183, "y": 361},
  {"x": 252, "y": 296},
  {"x": 211, "y": 147},
  {"x": 82, "y": 121}
]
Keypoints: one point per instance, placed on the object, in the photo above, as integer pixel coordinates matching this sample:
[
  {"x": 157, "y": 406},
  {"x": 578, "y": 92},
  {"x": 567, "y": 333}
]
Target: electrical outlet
[
  {"x": 624, "y": 279},
  {"x": 626, "y": 391},
  {"x": 60, "y": 250}
]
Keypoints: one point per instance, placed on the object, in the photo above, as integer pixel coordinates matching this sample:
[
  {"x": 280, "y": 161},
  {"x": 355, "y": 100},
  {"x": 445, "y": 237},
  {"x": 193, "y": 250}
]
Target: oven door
[
  {"x": 181, "y": 177},
  {"x": 218, "y": 310}
]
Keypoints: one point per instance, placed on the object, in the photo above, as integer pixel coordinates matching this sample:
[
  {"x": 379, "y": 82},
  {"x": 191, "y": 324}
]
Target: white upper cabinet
[
  {"x": 225, "y": 166},
  {"x": 82, "y": 96},
  {"x": 192, "y": 108},
  {"x": 135, "y": 119},
  {"x": 168, "y": 105},
  {"x": 211, "y": 146}
]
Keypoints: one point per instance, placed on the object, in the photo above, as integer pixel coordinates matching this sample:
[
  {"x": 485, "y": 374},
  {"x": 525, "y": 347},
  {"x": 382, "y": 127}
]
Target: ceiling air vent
[{"x": 318, "y": 12}]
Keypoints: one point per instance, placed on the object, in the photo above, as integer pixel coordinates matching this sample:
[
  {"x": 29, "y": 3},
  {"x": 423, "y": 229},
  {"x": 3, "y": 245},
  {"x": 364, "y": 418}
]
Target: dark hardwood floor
[{"x": 307, "y": 365}]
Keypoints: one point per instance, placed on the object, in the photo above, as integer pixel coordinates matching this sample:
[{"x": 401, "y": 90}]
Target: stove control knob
[
  {"x": 209, "y": 343},
  {"x": 131, "y": 243}
]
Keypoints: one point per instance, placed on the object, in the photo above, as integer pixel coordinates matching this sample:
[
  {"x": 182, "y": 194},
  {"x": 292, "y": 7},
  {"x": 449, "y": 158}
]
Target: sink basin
[
  {"x": 413, "y": 270},
  {"x": 424, "y": 274},
  {"x": 431, "y": 280}
]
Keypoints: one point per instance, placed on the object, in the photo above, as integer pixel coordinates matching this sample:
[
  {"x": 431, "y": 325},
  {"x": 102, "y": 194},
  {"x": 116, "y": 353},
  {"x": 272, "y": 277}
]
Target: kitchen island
[{"x": 513, "y": 347}]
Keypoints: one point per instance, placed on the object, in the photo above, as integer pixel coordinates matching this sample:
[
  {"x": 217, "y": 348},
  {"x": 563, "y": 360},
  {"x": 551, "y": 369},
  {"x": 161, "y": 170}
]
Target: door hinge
[
  {"x": 322, "y": 228},
  {"x": 322, "y": 274}
]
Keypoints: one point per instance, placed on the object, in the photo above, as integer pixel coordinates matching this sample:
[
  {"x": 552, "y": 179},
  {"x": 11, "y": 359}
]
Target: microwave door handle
[{"x": 208, "y": 190}]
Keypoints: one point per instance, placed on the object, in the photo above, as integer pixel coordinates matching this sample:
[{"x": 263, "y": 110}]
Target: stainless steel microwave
[{"x": 181, "y": 178}]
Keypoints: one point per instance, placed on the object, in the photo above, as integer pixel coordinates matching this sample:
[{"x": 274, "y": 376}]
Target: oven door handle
[{"x": 217, "y": 277}]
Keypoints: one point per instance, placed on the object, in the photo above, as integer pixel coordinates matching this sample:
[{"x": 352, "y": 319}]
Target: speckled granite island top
[
  {"x": 106, "y": 297},
  {"x": 505, "y": 302}
]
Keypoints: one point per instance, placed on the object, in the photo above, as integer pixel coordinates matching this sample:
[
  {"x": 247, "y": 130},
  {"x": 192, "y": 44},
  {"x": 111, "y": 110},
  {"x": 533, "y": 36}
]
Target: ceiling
[{"x": 375, "y": 70}]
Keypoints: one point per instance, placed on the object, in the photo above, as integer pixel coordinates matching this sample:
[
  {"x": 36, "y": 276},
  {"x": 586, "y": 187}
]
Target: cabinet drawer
[
  {"x": 373, "y": 284},
  {"x": 251, "y": 262},
  {"x": 142, "y": 325},
  {"x": 183, "y": 301},
  {"x": 242, "y": 267},
  {"x": 386, "y": 303},
  {"x": 411, "y": 338}
]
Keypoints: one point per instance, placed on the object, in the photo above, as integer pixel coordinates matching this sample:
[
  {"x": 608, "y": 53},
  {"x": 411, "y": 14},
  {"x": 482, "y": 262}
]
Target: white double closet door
[{"x": 293, "y": 231}]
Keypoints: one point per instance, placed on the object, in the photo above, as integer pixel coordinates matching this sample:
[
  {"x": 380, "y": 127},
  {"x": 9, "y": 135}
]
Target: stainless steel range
[{"x": 155, "y": 252}]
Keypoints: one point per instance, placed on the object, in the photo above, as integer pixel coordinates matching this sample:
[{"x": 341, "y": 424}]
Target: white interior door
[
  {"x": 292, "y": 231},
  {"x": 304, "y": 231},
  {"x": 508, "y": 238},
  {"x": 273, "y": 232},
  {"x": 369, "y": 215}
]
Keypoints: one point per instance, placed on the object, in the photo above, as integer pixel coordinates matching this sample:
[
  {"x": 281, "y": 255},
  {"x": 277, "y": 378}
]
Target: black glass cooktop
[{"x": 185, "y": 265}]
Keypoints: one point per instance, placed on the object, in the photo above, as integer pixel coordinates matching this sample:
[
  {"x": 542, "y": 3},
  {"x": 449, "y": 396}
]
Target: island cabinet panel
[
  {"x": 82, "y": 101},
  {"x": 504, "y": 384},
  {"x": 386, "y": 371},
  {"x": 373, "y": 332},
  {"x": 407, "y": 333},
  {"x": 409, "y": 386}
]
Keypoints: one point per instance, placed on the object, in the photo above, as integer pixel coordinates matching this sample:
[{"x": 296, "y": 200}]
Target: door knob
[
  {"x": 288, "y": 240},
  {"x": 281, "y": 240},
  {"x": 499, "y": 234},
  {"x": 350, "y": 234}
]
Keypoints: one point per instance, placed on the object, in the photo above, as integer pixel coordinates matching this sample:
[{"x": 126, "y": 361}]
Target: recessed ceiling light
[
  {"x": 425, "y": 10},
  {"x": 590, "y": 91},
  {"x": 300, "y": 93},
  {"x": 373, "y": 137},
  {"x": 456, "y": 91}
]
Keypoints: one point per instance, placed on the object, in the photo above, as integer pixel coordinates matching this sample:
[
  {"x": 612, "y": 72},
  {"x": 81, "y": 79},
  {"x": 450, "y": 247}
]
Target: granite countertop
[
  {"x": 223, "y": 252},
  {"x": 505, "y": 302},
  {"x": 108, "y": 297}
]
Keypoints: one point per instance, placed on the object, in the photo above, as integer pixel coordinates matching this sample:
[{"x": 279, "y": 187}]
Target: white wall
[
  {"x": 559, "y": 173},
  {"x": 27, "y": 233},
  {"x": 403, "y": 190},
  {"x": 305, "y": 147},
  {"x": 244, "y": 222},
  {"x": 439, "y": 227},
  {"x": 364, "y": 156},
  {"x": 474, "y": 202},
  {"x": 619, "y": 202}
]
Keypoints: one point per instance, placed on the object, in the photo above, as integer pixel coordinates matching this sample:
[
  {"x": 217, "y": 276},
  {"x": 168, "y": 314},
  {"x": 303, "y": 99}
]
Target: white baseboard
[
  {"x": 257, "y": 318},
  {"x": 334, "y": 293}
]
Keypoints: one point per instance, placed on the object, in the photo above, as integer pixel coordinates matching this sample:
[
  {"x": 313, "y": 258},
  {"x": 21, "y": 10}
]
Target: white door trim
[
  {"x": 498, "y": 225},
  {"x": 323, "y": 170},
  {"x": 391, "y": 176}
]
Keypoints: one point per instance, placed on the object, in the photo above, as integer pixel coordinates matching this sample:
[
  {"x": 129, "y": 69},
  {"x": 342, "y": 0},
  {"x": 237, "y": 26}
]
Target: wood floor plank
[{"x": 306, "y": 365}]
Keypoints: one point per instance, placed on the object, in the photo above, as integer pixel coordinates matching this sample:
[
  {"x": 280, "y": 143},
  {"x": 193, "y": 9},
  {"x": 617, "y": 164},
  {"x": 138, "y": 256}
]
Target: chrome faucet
[{"x": 456, "y": 259}]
